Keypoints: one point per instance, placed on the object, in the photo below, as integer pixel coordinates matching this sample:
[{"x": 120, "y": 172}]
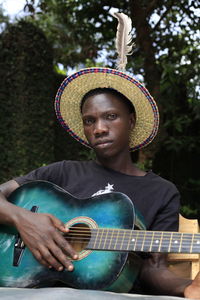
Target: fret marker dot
[
  {"x": 198, "y": 242},
  {"x": 133, "y": 240},
  {"x": 157, "y": 241},
  {"x": 175, "y": 242}
]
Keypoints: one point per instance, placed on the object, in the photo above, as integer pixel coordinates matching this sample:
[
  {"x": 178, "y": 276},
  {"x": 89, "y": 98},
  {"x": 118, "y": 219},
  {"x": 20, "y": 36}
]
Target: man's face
[{"x": 107, "y": 123}]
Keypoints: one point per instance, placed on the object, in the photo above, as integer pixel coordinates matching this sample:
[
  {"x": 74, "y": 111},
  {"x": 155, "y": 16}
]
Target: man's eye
[
  {"x": 112, "y": 116},
  {"x": 88, "y": 121}
]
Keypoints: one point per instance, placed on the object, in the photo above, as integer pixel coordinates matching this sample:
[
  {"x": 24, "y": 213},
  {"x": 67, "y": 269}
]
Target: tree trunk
[{"x": 152, "y": 75}]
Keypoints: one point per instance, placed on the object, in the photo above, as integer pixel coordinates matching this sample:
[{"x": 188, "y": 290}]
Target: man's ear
[{"x": 132, "y": 121}]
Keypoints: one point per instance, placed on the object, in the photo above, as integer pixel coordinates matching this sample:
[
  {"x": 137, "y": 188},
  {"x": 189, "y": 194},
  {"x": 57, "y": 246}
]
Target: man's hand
[
  {"x": 192, "y": 291},
  {"x": 41, "y": 233},
  {"x": 157, "y": 279}
]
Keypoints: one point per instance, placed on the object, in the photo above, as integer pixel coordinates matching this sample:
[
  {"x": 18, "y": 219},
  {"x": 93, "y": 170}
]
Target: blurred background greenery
[{"x": 53, "y": 38}]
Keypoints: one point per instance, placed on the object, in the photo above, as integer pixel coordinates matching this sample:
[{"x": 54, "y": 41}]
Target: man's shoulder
[{"x": 163, "y": 182}]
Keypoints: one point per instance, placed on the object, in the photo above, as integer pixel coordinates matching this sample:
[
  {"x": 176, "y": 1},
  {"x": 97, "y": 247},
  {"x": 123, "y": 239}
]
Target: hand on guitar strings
[{"x": 42, "y": 234}]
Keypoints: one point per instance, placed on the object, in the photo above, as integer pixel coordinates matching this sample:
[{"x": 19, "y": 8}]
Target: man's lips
[{"x": 102, "y": 144}]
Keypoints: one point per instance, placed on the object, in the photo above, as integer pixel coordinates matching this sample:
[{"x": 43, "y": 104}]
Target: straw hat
[{"x": 74, "y": 87}]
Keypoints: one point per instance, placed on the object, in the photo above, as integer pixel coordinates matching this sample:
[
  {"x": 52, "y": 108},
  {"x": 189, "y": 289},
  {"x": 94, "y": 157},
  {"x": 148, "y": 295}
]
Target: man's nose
[{"x": 100, "y": 127}]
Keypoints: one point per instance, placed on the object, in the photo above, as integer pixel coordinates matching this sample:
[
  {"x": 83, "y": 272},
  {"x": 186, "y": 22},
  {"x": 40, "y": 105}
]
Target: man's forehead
[{"x": 103, "y": 101}]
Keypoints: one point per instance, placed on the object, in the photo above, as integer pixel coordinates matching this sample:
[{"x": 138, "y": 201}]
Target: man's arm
[
  {"x": 156, "y": 278},
  {"x": 41, "y": 233},
  {"x": 7, "y": 188}
]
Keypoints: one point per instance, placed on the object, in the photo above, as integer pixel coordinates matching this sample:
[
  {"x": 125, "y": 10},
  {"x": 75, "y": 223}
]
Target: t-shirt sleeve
[
  {"x": 167, "y": 217},
  {"x": 51, "y": 173}
]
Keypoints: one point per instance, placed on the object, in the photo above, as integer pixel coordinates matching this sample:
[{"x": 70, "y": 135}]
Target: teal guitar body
[{"x": 103, "y": 263}]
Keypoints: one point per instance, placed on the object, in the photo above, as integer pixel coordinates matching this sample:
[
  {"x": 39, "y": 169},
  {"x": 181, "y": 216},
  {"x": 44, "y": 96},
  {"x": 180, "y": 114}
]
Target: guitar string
[
  {"x": 126, "y": 239},
  {"x": 146, "y": 237},
  {"x": 88, "y": 238},
  {"x": 181, "y": 245},
  {"x": 84, "y": 229},
  {"x": 146, "y": 248},
  {"x": 164, "y": 240},
  {"x": 129, "y": 230},
  {"x": 140, "y": 234}
]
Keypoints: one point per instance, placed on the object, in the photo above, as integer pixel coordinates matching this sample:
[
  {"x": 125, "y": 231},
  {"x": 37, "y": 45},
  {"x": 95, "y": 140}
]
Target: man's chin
[{"x": 104, "y": 153}]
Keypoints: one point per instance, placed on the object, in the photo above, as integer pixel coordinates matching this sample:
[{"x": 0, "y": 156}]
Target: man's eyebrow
[{"x": 87, "y": 115}]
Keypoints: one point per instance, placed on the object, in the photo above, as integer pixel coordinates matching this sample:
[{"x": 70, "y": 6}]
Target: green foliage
[
  {"x": 3, "y": 17},
  {"x": 78, "y": 30},
  {"x": 81, "y": 29},
  {"x": 26, "y": 110},
  {"x": 178, "y": 157}
]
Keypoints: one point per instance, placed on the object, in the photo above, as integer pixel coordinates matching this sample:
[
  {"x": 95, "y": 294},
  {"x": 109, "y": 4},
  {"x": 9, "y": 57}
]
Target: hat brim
[{"x": 74, "y": 87}]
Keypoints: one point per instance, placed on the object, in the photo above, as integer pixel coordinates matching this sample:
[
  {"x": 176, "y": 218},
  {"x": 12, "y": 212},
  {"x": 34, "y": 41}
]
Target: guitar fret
[
  {"x": 166, "y": 238},
  {"x": 140, "y": 241},
  {"x": 122, "y": 240},
  {"x": 143, "y": 242},
  {"x": 129, "y": 241},
  {"x": 152, "y": 237},
  {"x": 170, "y": 242},
  {"x": 106, "y": 233},
  {"x": 111, "y": 240},
  {"x": 95, "y": 237},
  {"x": 116, "y": 239},
  {"x": 134, "y": 240},
  {"x": 179, "y": 250},
  {"x": 136, "y": 247},
  {"x": 100, "y": 238},
  {"x": 186, "y": 243},
  {"x": 156, "y": 241},
  {"x": 161, "y": 240},
  {"x": 175, "y": 242},
  {"x": 147, "y": 241},
  {"x": 192, "y": 243},
  {"x": 196, "y": 243}
]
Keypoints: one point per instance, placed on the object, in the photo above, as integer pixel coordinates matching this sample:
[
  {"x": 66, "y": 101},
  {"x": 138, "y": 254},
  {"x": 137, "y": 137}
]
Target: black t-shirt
[{"x": 154, "y": 197}]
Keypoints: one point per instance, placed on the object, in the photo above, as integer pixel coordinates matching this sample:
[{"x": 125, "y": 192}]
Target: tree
[
  {"x": 4, "y": 19},
  {"x": 26, "y": 92}
]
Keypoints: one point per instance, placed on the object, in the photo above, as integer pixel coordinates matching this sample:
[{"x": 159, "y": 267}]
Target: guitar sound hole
[{"x": 79, "y": 236}]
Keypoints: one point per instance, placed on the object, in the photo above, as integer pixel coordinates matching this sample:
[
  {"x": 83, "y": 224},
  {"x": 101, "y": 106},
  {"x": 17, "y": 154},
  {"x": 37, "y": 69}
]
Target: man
[{"x": 112, "y": 113}]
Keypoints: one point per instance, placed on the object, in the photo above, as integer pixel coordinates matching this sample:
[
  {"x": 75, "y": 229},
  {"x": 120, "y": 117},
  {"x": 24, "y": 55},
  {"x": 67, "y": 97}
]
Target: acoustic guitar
[{"x": 104, "y": 229}]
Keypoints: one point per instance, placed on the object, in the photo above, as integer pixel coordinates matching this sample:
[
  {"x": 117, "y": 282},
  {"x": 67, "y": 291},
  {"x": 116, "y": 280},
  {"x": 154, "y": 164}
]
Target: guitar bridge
[{"x": 19, "y": 244}]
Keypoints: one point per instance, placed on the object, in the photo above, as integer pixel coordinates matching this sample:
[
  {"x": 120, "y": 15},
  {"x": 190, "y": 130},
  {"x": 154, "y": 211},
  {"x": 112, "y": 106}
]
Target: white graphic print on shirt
[{"x": 107, "y": 189}]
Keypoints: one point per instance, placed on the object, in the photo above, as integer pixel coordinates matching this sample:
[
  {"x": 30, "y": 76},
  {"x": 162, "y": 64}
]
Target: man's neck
[{"x": 123, "y": 165}]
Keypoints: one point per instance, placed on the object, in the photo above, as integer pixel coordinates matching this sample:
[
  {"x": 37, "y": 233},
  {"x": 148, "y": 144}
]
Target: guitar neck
[{"x": 144, "y": 241}]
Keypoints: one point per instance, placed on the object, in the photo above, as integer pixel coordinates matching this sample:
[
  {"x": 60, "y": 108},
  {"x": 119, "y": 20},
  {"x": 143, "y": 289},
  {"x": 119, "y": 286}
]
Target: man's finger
[
  {"x": 59, "y": 259},
  {"x": 59, "y": 224},
  {"x": 50, "y": 259},
  {"x": 39, "y": 258},
  {"x": 65, "y": 246}
]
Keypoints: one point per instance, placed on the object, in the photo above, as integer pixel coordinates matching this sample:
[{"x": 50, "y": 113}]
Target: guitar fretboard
[{"x": 144, "y": 241}]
